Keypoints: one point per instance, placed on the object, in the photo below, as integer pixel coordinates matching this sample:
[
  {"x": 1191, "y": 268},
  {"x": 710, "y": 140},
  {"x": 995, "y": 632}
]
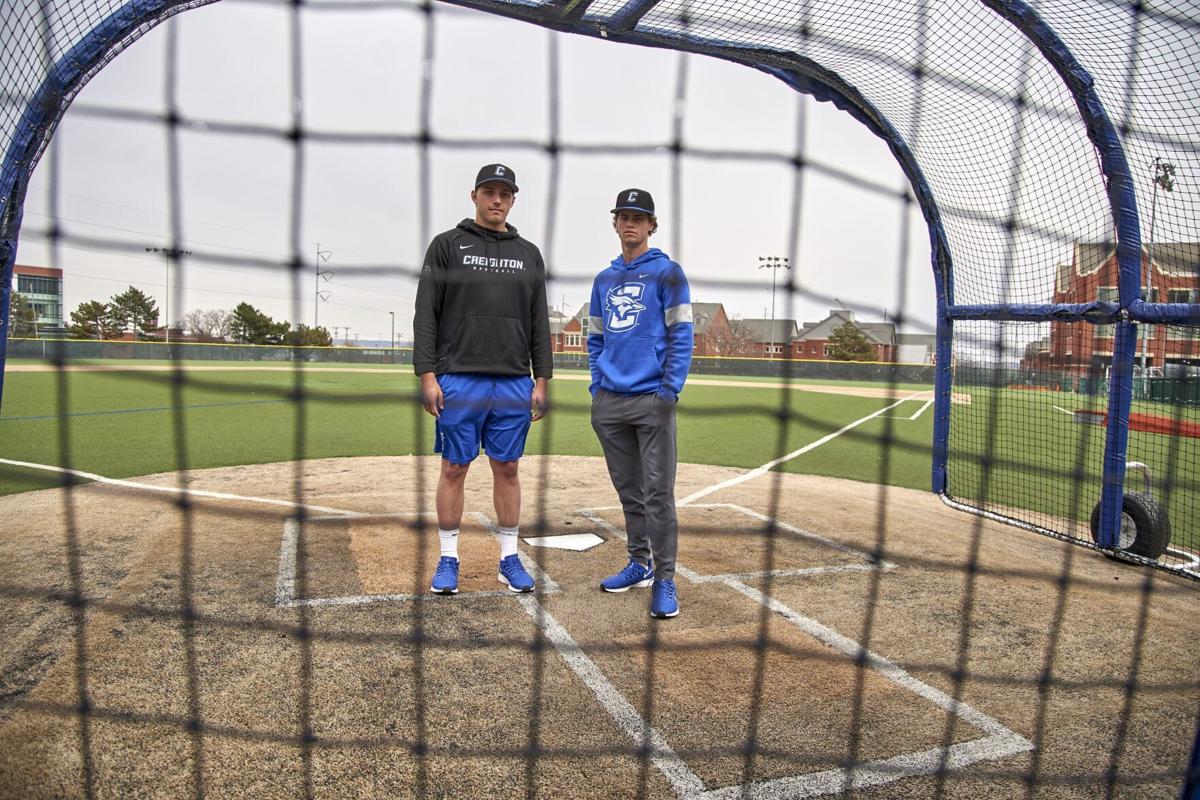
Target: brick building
[
  {"x": 1172, "y": 275},
  {"x": 812, "y": 341},
  {"x": 712, "y": 334}
]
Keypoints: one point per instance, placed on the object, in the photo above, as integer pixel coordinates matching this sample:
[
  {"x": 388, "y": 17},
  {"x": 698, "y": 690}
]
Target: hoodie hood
[
  {"x": 653, "y": 254},
  {"x": 474, "y": 227}
]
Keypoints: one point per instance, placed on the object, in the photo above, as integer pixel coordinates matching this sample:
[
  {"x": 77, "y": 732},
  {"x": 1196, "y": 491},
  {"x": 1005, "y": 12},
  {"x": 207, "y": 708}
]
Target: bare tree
[
  {"x": 208, "y": 324},
  {"x": 738, "y": 342}
]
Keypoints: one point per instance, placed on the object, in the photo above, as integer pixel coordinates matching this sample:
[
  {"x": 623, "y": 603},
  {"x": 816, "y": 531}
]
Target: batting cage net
[{"x": 218, "y": 534}]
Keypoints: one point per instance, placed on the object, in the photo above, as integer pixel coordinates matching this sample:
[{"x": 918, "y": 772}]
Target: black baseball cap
[
  {"x": 496, "y": 172},
  {"x": 634, "y": 200}
]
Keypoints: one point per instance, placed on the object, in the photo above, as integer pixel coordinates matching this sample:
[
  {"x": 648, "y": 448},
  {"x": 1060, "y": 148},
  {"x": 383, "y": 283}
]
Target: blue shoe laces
[
  {"x": 447, "y": 567},
  {"x": 634, "y": 571},
  {"x": 664, "y": 588}
]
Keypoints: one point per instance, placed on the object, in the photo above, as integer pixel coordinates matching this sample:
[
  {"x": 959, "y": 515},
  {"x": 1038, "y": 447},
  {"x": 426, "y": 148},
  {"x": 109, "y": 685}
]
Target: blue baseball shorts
[{"x": 492, "y": 409}]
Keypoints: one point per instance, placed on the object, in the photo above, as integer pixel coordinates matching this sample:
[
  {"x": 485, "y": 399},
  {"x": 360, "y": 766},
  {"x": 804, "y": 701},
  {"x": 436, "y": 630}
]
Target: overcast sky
[{"x": 491, "y": 81}]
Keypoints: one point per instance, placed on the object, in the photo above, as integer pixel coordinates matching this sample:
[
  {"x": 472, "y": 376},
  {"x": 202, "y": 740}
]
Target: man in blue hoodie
[{"x": 639, "y": 351}]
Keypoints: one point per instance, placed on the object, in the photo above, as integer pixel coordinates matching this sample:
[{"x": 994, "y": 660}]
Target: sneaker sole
[
  {"x": 674, "y": 613},
  {"x": 638, "y": 585},
  {"x": 436, "y": 590},
  {"x": 500, "y": 577}
]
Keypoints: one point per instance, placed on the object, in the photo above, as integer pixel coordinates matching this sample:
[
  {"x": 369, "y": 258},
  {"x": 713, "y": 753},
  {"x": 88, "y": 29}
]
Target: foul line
[
  {"x": 765, "y": 468},
  {"x": 149, "y": 487}
]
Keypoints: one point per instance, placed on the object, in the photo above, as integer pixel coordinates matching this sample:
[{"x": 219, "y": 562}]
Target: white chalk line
[
  {"x": 765, "y": 468},
  {"x": 685, "y": 782},
  {"x": 915, "y": 415},
  {"x": 999, "y": 741},
  {"x": 149, "y": 487}
]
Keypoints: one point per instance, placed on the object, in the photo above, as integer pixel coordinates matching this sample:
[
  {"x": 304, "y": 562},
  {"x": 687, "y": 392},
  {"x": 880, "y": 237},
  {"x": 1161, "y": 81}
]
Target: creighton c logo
[
  {"x": 624, "y": 304},
  {"x": 499, "y": 170},
  {"x": 632, "y": 197}
]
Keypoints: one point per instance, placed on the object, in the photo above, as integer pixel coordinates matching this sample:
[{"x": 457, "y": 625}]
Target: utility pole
[
  {"x": 392, "y": 314},
  {"x": 773, "y": 263},
  {"x": 318, "y": 295}
]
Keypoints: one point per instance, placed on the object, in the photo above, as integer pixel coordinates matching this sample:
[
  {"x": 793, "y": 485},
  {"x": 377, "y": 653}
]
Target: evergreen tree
[
  {"x": 251, "y": 326},
  {"x": 92, "y": 320},
  {"x": 848, "y": 343},
  {"x": 304, "y": 336},
  {"x": 134, "y": 310}
]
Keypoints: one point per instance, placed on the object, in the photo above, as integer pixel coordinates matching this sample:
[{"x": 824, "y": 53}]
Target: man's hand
[
  {"x": 538, "y": 400},
  {"x": 431, "y": 394}
]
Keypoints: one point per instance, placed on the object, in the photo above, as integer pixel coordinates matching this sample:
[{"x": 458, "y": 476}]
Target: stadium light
[
  {"x": 392, "y": 314},
  {"x": 773, "y": 263}
]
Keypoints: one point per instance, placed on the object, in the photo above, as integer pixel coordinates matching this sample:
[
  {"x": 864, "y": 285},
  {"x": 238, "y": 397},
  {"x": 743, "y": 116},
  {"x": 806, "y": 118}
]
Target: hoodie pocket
[{"x": 631, "y": 366}]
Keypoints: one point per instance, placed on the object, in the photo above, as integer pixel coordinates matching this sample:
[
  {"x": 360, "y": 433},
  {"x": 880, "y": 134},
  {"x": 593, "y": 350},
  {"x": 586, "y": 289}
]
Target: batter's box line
[
  {"x": 870, "y": 562},
  {"x": 1000, "y": 742},
  {"x": 914, "y": 416},
  {"x": 285, "y": 583}
]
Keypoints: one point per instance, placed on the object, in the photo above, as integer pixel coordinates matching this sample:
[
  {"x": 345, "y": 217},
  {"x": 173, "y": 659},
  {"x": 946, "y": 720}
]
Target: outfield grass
[
  {"x": 1008, "y": 449},
  {"x": 123, "y": 423},
  {"x": 1043, "y": 460}
]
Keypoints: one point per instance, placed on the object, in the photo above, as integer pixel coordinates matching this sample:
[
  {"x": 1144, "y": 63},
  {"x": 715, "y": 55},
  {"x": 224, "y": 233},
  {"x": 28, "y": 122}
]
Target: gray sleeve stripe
[
  {"x": 678, "y": 314},
  {"x": 595, "y": 326}
]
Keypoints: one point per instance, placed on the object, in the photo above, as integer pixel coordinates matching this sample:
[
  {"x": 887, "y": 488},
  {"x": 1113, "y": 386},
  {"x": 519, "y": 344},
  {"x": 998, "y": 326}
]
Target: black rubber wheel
[{"x": 1145, "y": 529}]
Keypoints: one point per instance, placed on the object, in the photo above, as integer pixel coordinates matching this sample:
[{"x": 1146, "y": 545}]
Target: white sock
[
  {"x": 449, "y": 542},
  {"x": 508, "y": 542}
]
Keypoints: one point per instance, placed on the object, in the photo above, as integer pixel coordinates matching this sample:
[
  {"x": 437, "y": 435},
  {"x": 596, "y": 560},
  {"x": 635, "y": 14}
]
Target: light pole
[
  {"x": 1164, "y": 176},
  {"x": 318, "y": 295},
  {"x": 773, "y": 263},
  {"x": 392, "y": 314}
]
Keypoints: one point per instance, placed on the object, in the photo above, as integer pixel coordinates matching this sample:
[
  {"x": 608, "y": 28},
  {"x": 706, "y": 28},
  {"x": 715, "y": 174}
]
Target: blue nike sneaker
[
  {"x": 634, "y": 576},
  {"x": 445, "y": 577},
  {"x": 513, "y": 574},
  {"x": 664, "y": 602}
]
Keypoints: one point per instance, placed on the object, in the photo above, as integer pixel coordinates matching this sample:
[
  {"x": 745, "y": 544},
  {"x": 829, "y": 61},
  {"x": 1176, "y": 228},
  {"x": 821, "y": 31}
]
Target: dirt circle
[{"x": 231, "y": 686}]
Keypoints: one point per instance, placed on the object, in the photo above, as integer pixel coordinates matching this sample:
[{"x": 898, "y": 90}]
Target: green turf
[
  {"x": 1043, "y": 460},
  {"x": 123, "y": 423}
]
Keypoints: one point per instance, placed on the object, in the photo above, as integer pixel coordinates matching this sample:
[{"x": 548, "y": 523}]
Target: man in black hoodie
[{"x": 481, "y": 325}]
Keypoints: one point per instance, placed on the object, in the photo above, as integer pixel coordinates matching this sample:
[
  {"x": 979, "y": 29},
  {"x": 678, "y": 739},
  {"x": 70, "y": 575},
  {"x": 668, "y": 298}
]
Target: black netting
[{"x": 254, "y": 619}]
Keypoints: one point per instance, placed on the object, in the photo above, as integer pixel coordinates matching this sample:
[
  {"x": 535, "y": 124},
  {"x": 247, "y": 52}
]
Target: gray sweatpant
[{"x": 637, "y": 433}]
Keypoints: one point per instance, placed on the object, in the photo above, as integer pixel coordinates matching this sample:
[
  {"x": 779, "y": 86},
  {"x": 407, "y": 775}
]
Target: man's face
[
  {"x": 493, "y": 200},
  {"x": 633, "y": 227}
]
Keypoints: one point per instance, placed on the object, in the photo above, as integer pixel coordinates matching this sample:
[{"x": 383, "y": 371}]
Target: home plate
[{"x": 568, "y": 541}]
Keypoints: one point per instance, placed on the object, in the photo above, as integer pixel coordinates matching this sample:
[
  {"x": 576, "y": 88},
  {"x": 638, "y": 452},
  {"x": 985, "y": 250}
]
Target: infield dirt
[{"x": 463, "y": 696}]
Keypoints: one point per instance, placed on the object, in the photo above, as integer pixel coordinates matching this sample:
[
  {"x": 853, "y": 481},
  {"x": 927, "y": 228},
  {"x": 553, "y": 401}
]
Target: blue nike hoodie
[{"x": 640, "y": 327}]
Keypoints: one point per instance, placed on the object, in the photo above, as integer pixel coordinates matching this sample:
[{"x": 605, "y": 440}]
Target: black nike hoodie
[{"x": 481, "y": 305}]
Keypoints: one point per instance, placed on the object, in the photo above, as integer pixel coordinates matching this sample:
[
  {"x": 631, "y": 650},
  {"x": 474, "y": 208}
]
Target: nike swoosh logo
[
  {"x": 647, "y": 275},
  {"x": 465, "y": 246}
]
